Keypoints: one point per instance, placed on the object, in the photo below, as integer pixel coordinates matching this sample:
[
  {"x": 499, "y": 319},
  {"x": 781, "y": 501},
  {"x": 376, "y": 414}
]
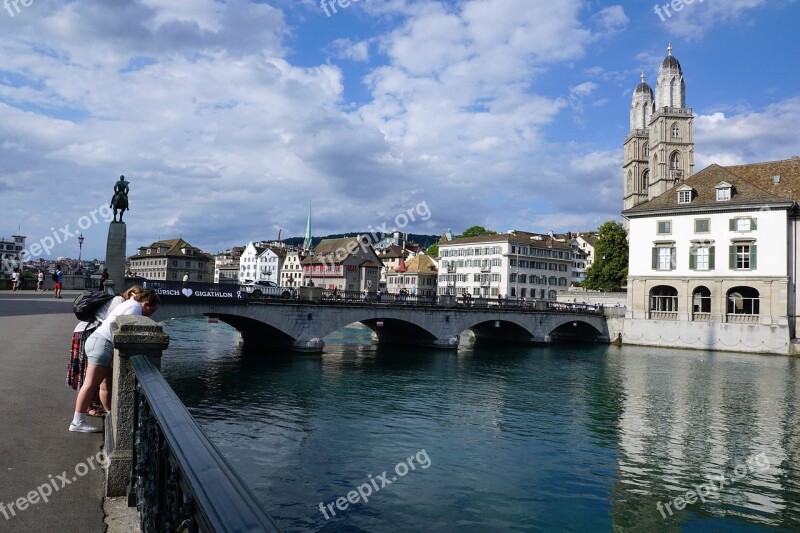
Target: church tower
[
  {"x": 636, "y": 152},
  {"x": 659, "y": 150}
]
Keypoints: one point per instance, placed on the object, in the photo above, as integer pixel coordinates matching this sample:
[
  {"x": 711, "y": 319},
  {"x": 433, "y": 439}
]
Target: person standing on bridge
[{"x": 100, "y": 353}]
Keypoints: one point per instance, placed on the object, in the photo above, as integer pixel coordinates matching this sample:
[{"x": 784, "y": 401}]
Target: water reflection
[{"x": 529, "y": 439}]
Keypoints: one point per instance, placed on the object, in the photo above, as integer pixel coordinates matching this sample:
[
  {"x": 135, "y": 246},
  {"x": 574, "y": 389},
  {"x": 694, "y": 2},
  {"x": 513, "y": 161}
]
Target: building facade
[
  {"x": 226, "y": 265},
  {"x": 346, "y": 264},
  {"x": 170, "y": 260},
  {"x": 516, "y": 264},
  {"x": 713, "y": 261},
  {"x": 292, "y": 269},
  {"x": 418, "y": 277}
]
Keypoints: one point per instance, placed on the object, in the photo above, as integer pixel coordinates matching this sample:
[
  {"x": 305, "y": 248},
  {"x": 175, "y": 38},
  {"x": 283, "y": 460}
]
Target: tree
[
  {"x": 609, "y": 271},
  {"x": 433, "y": 250},
  {"x": 477, "y": 231}
]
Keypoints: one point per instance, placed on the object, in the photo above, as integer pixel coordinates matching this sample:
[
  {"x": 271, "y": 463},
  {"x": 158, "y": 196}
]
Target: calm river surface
[{"x": 578, "y": 438}]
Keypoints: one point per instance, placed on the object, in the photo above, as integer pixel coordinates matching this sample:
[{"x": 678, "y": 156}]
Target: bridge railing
[
  {"x": 176, "y": 477},
  {"x": 233, "y": 293}
]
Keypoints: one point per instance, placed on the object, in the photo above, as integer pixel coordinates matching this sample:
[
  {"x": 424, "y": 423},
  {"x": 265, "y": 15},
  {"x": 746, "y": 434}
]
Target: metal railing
[{"x": 179, "y": 480}]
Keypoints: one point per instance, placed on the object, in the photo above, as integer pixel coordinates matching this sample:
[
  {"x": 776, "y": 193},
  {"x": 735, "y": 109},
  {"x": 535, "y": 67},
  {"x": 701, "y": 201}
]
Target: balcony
[
  {"x": 701, "y": 317},
  {"x": 663, "y": 315},
  {"x": 740, "y": 318}
]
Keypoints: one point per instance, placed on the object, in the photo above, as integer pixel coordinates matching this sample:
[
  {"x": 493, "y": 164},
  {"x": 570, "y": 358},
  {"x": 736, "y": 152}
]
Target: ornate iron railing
[{"x": 179, "y": 480}]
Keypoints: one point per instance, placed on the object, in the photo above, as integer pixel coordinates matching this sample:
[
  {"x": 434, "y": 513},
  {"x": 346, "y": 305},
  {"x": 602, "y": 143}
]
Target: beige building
[
  {"x": 417, "y": 277},
  {"x": 170, "y": 260}
]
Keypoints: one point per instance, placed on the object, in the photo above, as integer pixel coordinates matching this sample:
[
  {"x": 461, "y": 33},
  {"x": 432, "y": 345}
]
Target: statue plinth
[{"x": 115, "y": 253}]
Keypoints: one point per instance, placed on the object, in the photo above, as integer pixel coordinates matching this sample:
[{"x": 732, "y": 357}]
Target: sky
[{"x": 230, "y": 118}]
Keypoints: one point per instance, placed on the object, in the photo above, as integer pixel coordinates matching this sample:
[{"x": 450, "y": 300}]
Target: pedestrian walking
[
  {"x": 58, "y": 277},
  {"x": 103, "y": 279},
  {"x": 39, "y": 280},
  {"x": 186, "y": 280},
  {"x": 15, "y": 279}
]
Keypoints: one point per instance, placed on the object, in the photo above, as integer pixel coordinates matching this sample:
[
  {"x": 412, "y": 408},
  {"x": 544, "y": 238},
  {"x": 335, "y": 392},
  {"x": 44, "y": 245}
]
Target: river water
[{"x": 566, "y": 438}]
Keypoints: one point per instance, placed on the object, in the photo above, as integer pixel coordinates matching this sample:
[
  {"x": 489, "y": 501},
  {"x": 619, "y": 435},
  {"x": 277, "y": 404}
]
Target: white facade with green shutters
[{"x": 712, "y": 266}]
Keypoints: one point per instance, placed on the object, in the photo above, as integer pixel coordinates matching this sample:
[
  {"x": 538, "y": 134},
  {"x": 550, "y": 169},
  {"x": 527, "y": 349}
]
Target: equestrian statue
[{"x": 120, "y": 200}]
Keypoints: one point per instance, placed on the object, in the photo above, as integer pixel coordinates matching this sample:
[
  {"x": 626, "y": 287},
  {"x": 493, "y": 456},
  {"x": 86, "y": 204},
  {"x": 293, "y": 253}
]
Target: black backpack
[
  {"x": 87, "y": 304},
  {"x": 54, "y": 277}
]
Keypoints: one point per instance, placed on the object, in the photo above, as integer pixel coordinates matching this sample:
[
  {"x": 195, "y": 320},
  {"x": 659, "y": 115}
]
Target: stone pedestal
[
  {"x": 115, "y": 252},
  {"x": 133, "y": 335}
]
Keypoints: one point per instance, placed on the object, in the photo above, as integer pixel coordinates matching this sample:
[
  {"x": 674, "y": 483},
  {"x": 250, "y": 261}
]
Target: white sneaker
[{"x": 84, "y": 427}]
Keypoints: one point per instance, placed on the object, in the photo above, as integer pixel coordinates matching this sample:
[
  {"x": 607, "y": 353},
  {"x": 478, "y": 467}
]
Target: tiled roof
[
  {"x": 171, "y": 248},
  {"x": 420, "y": 264},
  {"x": 325, "y": 251},
  {"x": 761, "y": 175},
  {"x": 704, "y": 186},
  {"x": 518, "y": 237}
]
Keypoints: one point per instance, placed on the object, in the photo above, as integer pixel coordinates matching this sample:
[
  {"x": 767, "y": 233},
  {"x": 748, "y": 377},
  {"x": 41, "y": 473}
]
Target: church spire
[
  {"x": 307, "y": 240},
  {"x": 669, "y": 49}
]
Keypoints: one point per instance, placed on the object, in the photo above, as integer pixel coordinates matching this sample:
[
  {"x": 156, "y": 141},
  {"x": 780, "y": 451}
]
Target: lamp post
[{"x": 80, "y": 251}]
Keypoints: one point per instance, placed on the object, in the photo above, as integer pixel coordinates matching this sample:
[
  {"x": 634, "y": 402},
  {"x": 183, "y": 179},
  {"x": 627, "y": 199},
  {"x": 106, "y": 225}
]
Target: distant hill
[{"x": 424, "y": 240}]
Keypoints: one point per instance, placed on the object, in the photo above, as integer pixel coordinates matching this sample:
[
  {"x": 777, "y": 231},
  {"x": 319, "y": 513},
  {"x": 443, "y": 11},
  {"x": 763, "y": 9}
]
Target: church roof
[{"x": 644, "y": 88}]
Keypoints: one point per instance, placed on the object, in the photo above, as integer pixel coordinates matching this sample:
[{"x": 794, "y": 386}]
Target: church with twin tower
[{"x": 659, "y": 149}]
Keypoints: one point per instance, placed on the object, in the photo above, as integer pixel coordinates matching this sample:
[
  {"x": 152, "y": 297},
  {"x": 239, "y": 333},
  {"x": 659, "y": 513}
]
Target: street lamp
[{"x": 80, "y": 250}]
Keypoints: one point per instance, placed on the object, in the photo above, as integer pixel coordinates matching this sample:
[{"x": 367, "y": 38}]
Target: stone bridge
[{"x": 300, "y": 325}]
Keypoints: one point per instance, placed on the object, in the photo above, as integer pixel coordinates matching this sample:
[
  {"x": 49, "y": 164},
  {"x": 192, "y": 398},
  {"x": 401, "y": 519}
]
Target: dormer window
[
  {"x": 149, "y": 250},
  {"x": 685, "y": 195},
  {"x": 724, "y": 191}
]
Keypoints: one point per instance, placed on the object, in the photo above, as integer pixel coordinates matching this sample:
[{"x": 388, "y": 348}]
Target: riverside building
[
  {"x": 516, "y": 264},
  {"x": 713, "y": 256}
]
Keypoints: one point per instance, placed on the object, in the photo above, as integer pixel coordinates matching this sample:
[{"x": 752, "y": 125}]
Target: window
[
  {"x": 645, "y": 180},
  {"x": 675, "y": 161},
  {"x": 684, "y": 197},
  {"x": 676, "y": 131},
  {"x": 663, "y": 258},
  {"x": 646, "y": 150},
  {"x": 742, "y": 257},
  {"x": 702, "y": 225},
  {"x": 664, "y": 227},
  {"x": 743, "y": 224},
  {"x": 723, "y": 194},
  {"x": 701, "y": 258}
]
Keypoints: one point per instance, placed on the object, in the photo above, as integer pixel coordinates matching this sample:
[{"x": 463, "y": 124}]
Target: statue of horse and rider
[{"x": 120, "y": 200}]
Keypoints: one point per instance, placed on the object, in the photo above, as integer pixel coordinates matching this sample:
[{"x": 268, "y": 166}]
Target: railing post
[{"x": 132, "y": 335}]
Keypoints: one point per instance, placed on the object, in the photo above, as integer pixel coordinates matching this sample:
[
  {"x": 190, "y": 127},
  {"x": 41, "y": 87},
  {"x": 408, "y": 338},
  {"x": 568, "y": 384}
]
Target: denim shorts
[{"x": 99, "y": 351}]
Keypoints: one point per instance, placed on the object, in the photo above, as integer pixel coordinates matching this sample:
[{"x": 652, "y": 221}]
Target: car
[{"x": 266, "y": 288}]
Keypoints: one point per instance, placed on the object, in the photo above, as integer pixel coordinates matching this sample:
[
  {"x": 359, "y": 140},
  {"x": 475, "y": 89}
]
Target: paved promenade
[{"x": 36, "y": 449}]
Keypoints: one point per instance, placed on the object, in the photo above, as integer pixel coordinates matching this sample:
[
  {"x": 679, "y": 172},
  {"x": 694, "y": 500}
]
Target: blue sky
[{"x": 229, "y": 117}]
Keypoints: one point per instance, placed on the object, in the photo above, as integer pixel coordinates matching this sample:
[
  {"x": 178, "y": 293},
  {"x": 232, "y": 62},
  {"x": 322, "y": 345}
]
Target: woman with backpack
[
  {"x": 76, "y": 366},
  {"x": 99, "y": 354}
]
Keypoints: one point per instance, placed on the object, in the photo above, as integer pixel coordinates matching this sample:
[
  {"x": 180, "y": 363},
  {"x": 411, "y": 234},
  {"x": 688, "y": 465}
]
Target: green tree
[
  {"x": 433, "y": 250},
  {"x": 609, "y": 271},
  {"x": 477, "y": 231}
]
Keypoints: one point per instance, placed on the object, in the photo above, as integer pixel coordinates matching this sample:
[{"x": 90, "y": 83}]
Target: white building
[
  {"x": 713, "y": 261},
  {"x": 292, "y": 269},
  {"x": 10, "y": 254},
  {"x": 248, "y": 262},
  {"x": 516, "y": 264}
]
